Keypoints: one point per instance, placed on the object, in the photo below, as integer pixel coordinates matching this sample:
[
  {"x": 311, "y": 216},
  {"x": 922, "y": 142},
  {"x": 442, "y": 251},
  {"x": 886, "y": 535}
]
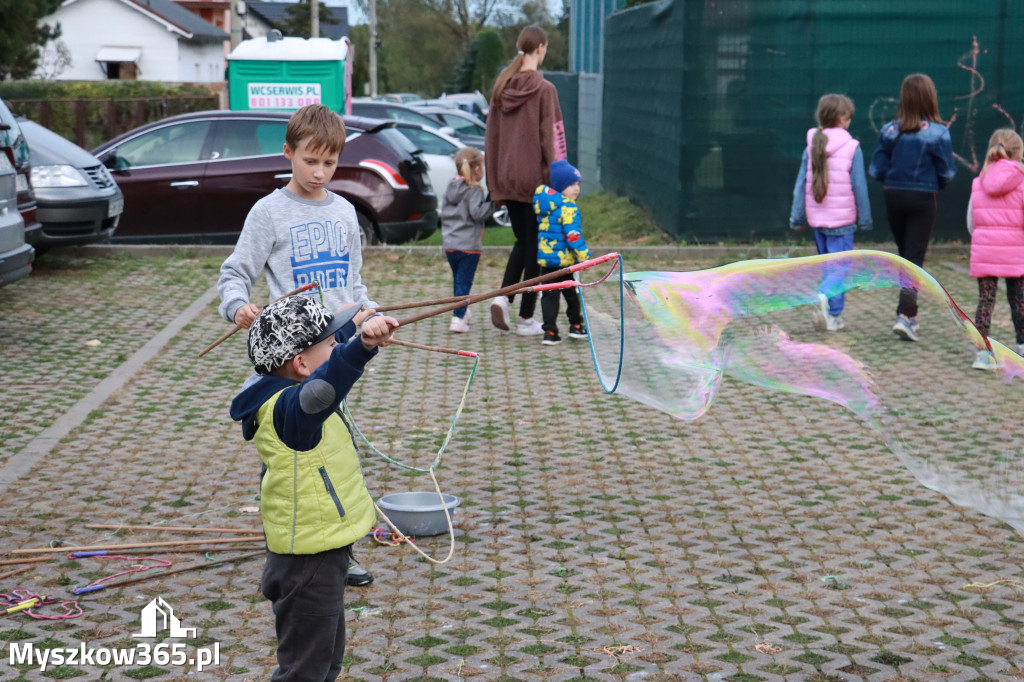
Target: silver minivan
[{"x": 15, "y": 255}]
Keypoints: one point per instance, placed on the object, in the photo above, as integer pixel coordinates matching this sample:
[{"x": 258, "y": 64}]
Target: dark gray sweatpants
[{"x": 308, "y": 595}]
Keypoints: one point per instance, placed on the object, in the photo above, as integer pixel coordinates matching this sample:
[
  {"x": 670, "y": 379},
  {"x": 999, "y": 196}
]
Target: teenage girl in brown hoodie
[{"x": 525, "y": 134}]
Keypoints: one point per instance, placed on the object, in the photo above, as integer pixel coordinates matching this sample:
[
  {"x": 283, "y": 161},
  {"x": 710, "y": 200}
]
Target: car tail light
[{"x": 390, "y": 175}]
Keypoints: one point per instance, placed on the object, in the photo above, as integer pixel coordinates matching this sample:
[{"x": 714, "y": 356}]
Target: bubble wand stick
[
  {"x": 511, "y": 289},
  {"x": 228, "y": 335}
]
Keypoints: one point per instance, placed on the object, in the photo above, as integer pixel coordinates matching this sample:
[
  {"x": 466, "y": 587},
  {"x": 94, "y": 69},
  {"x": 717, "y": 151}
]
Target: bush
[
  {"x": 94, "y": 89},
  {"x": 90, "y": 112}
]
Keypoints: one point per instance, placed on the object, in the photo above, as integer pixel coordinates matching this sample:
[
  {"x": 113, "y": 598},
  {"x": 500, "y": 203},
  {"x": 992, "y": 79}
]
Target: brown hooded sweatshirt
[{"x": 524, "y": 135}]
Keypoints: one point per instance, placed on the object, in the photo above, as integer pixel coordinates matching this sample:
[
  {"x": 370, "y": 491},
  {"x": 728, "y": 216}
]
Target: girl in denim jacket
[
  {"x": 913, "y": 159},
  {"x": 831, "y": 195}
]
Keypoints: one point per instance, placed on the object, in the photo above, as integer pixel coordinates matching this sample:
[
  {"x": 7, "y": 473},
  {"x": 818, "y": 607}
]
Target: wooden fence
[{"x": 90, "y": 122}]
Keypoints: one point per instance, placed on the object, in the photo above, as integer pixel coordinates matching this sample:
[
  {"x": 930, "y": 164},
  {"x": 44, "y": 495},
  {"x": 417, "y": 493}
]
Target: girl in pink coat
[{"x": 995, "y": 219}]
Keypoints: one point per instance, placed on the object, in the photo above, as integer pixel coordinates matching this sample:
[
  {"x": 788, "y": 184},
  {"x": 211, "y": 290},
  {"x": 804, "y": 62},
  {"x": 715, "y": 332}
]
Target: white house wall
[
  {"x": 201, "y": 62},
  {"x": 88, "y": 25}
]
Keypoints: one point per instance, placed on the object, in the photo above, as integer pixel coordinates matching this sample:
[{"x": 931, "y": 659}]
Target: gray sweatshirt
[
  {"x": 296, "y": 241},
  {"x": 463, "y": 213}
]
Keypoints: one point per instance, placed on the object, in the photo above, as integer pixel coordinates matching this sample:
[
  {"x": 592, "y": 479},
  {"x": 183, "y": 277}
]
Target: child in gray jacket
[{"x": 464, "y": 210}]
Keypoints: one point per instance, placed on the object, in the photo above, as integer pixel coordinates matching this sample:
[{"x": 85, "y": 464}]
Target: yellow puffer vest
[{"x": 315, "y": 500}]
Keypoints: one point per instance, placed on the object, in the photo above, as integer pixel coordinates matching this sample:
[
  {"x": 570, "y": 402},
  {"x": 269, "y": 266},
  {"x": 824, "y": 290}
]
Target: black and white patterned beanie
[{"x": 286, "y": 328}]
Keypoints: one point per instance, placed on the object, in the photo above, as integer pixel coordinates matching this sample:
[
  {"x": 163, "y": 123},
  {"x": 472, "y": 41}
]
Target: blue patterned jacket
[{"x": 559, "y": 237}]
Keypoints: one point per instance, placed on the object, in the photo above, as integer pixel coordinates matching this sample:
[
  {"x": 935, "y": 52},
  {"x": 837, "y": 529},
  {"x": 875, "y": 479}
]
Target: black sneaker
[
  {"x": 577, "y": 331},
  {"x": 551, "y": 338},
  {"x": 357, "y": 575}
]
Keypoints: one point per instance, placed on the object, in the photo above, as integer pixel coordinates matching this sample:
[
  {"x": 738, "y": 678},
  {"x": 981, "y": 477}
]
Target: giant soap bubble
[{"x": 668, "y": 339}]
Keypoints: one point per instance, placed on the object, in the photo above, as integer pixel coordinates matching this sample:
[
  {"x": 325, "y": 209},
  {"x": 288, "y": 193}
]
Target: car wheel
[{"x": 367, "y": 230}]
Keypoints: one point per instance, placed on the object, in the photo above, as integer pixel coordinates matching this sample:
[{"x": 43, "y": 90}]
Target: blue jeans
[
  {"x": 463, "y": 270},
  {"x": 834, "y": 275}
]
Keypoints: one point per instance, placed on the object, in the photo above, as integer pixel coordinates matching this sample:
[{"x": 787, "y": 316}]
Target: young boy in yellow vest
[{"x": 314, "y": 502}]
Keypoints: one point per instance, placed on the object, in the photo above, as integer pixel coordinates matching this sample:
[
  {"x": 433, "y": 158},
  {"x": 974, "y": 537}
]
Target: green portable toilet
[{"x": 288, "y": 73}]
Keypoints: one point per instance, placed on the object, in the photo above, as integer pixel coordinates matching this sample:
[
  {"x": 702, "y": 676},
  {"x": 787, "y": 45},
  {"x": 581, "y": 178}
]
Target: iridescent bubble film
[{"x": 674, "y": 340}]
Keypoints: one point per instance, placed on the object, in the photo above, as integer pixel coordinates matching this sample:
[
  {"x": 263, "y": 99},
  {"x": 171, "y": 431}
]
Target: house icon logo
[{"x": 158, "y": 615}]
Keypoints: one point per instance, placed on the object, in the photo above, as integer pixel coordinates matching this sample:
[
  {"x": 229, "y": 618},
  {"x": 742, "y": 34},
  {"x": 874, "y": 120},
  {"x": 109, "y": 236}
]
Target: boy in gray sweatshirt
[
  {"x": 302, "y": 232},
  {"x": 299, "y": 234}
]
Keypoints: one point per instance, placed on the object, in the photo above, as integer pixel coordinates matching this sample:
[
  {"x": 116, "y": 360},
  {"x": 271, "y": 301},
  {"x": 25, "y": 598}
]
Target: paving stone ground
[{"x": 775, "y": 538}]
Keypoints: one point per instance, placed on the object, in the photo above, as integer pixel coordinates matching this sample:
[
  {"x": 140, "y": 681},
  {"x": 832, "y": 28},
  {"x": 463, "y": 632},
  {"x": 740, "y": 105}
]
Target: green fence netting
[
  {"x": 706, "y": 103},
  {"x": 568, "y": 86}
]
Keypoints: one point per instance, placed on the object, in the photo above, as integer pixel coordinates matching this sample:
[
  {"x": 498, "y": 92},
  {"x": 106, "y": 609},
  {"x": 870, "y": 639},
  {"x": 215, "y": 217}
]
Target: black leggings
[
  {"x": 912, "y": 220},
  {"x": 522, "y": 262},
  {"x": 549, "y": 303},
  {"x": 987, "y": 302}
]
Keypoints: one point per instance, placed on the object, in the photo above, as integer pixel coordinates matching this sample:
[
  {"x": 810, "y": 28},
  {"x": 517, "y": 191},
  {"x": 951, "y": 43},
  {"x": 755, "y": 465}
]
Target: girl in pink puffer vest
[
  {"x": 995, "y": 219},
  {"x": 831, "y": 196}
]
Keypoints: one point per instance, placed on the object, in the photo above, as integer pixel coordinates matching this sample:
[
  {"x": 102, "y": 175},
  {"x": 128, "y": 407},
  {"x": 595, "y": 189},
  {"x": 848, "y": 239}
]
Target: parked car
[
  {"x": 12, "y": 138},
  {"x": 78, "y": 200},
  {"x": 439, "y": 151},
  {"x": 473, "y": 102},
  {"x": 194, "y": 177},
  {"x": 467, "y": 127},
  {"x": 399, "y": 97},
  {"x": 16, "y": 256},
  {"x": 396, "y": 112}
]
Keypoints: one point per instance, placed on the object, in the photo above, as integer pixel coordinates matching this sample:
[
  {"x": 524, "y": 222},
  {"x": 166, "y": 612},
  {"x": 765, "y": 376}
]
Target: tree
[
  {"x": 360, "y": 37},
  {"x": 417, "y": 48},
  {"x": 297, "y": 19},
  {"x": 490, "y": 58},
  {"x": 23, "y": 34}
]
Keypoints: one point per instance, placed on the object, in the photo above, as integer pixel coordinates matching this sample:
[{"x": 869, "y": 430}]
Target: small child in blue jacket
[{"x": 560, "y": 244}]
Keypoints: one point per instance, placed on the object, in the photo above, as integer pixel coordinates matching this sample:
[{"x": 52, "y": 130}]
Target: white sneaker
[
  {"x": 820, "y": 313},
  {"x": 530, "y": 327},
  {"x": 500, "y": 316},
  {"x": 834, "y": 323},
  {"x": 1020, "y": 349},
  {"x": 458, "y": 325},
  {"x": 985, "y": 361}
]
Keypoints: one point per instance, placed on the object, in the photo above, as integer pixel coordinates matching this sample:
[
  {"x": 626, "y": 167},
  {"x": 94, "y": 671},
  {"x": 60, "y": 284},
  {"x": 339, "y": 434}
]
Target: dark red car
[{"x": 194, "y": 177}]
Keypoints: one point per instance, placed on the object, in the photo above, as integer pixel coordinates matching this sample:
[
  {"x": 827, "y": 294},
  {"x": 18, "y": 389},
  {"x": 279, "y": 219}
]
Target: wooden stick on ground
[
  {"x": 16, "y": 571},
  {"x": 146, "y": 551},
  {"x": 175, "y": 529},
  {"x": 150, "y": 576},
  {"x": 9, "y": 562},
  {"x": 133, "y": 545}
]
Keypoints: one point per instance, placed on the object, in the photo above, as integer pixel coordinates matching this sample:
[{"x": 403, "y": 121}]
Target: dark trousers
[
  {"x": 463, "y": 264},
  {"x": 522, "y": 262},
  {"x": 308, "y": 596},
  {"x": 912, "y": 220},
  {"x": 987, "y": 302},
  {"x": 549, "y": 303}
]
